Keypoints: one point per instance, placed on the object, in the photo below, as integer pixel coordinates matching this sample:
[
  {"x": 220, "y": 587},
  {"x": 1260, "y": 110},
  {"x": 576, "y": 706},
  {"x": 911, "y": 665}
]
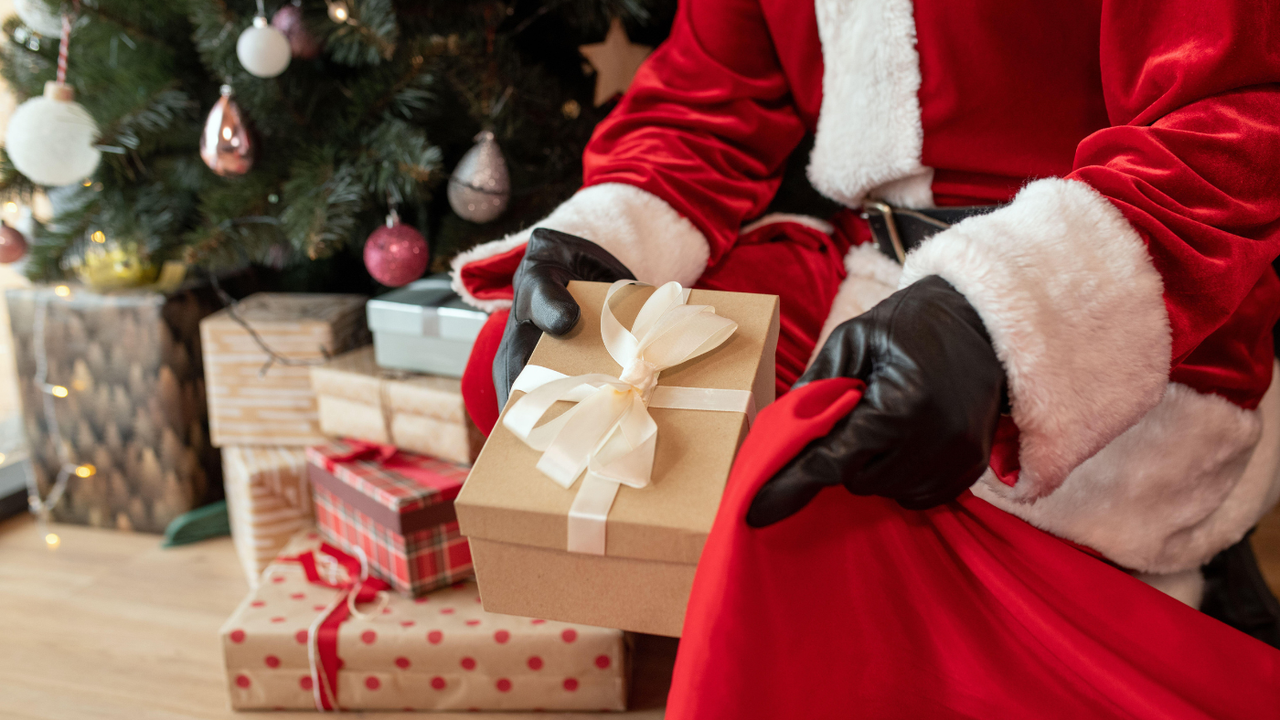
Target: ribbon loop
[{"x": 608, "y": 434}]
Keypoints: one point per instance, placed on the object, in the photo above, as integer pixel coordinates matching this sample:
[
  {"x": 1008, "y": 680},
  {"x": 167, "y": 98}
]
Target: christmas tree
[{"x": 377, "y": 105}]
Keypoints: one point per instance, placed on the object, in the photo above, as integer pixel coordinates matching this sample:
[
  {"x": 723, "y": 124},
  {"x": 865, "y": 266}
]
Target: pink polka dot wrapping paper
[{"x": 441, "y": 651}]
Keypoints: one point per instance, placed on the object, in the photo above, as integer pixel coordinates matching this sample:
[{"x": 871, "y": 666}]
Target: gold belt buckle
[{"x": 886, "y": 211}]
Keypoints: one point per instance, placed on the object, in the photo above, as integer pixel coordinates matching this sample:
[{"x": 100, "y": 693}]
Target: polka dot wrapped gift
[{"x": 437, "y": 652}]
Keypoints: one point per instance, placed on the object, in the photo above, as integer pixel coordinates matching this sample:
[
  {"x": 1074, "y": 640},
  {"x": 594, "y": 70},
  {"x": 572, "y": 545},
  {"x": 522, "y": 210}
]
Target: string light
[
  {"x": 87, "y": 182},
  {"x": 86, "y": 470},
  {"x": 52, "y": 540},
  {"x": 338, "y": 11},
  {"x": 11, "y": 207},
  {"x": 62, "y": 291},
  {"x": 98, "y": 236},
  {"x": 57, "y": 391}
]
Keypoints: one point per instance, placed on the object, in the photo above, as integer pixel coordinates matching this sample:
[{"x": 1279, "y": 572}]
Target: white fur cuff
[
  {"x": 638, "y": 228},
  {"x": 1074, "y": 306}
]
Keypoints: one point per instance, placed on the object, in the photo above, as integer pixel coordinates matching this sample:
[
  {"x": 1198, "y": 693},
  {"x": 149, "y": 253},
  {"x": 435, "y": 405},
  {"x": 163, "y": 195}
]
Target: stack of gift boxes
[{"x": 342, "y": 463}]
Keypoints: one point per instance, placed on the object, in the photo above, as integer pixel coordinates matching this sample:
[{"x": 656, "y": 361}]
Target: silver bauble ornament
[
  {"x": 51, "y": 138},
  {"x": 262, "y": 49},
  {"x": 480, "y": 187},
  {"x": 35, "y": 15},
  {"x": 226, "y": 145}
]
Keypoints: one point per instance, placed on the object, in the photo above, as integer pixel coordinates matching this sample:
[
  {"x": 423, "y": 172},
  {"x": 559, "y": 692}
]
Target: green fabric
[{"x": 202, "y": 523}]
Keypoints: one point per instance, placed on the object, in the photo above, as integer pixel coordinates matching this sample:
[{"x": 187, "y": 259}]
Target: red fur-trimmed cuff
[{"x": 638, "y": 228}]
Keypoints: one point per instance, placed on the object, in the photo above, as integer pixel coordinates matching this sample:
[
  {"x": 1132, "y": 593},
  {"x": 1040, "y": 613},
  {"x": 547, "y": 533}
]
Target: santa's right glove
[
  {"x": 923, "y": 430},
  {"x": 542, "y": 303}
]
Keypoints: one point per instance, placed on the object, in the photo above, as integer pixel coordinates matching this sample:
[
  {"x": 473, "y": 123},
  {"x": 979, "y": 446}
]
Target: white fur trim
[
  {"x": 1186, "y": 482},
  {"x": 1186, "y": 586},
  {"x": 808, "y": 221},
  {"x": 1076, "y": 313},
  {"x": 869, "y": 130},
  {"x": 638, "y": 228},
  {"x": 871, "y": 277}
]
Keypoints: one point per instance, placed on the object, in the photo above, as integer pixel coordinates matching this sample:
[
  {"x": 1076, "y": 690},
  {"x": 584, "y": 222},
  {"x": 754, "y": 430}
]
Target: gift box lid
[
  {"x": 401, "y": 490},
  {"x": 355, "y": 376},
  {"x": 508, "y": 500},
  {"x": 428, "y": 308},
  {"x": 286, "y": 309}
]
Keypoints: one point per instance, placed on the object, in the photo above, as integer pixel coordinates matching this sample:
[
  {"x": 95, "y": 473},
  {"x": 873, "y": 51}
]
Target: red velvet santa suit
[{"x": 1126, "y": 285}]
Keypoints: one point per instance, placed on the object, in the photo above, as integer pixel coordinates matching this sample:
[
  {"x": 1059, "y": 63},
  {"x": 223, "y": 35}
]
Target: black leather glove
[
  {"x": 542, "y": 303},
  {"x": 923, "y": 430}
]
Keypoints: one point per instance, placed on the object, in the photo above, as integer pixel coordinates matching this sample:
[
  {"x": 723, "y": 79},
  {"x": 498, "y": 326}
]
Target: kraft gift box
[
  {"x": 268, "y": 500},
  {"x": 424, "y": 327},
  {"x": 517, "y": 519},
  {"x": 420, "y": 413},
  {"x": 254, "y": 401},
  {"x": 295, "y": 644}
]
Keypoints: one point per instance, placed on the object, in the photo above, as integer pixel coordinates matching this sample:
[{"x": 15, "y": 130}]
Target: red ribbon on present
[
  {"x": 322, "y": 636},
  {"x": 391, "y": 458}
]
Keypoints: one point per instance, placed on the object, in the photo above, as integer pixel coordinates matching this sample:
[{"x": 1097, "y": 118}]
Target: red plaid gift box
[{"x": 394, "y": 506}]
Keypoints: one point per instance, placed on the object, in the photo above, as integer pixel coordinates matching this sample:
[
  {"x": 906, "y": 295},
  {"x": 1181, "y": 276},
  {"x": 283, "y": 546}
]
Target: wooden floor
[{"x": 110, "y": 626}]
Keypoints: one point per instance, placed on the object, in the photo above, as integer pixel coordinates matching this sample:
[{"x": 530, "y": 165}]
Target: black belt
[{"x": 899, "y": 230}]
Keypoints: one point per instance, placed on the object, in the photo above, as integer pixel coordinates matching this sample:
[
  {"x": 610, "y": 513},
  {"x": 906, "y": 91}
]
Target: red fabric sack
[{"x": 855, "y": 607}]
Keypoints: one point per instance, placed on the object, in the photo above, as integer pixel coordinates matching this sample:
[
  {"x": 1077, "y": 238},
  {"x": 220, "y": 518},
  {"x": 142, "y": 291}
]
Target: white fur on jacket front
[
  {"x": 1076, "y": 313},
  {"x": 869, "y": 136},
  {"x": 638, "y": 228}
]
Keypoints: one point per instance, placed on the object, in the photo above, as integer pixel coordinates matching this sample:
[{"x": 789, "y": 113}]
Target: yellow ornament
[{"x": 112, "y": 265}]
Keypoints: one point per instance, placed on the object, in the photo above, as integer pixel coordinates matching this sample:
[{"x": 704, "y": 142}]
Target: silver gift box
[{"x": 424, "y": 327}]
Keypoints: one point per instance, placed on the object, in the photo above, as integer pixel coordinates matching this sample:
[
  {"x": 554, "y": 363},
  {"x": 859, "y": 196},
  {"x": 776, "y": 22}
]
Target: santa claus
[{"x": 1056, "y": 242}]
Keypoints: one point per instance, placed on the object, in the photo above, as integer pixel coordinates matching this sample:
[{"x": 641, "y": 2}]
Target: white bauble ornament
[
  {"x": 480, "y": 186},
  {"x": 35, "y": 15},
  {"x": 263, "y": 50},
  {"x": 51, "y": 138}
]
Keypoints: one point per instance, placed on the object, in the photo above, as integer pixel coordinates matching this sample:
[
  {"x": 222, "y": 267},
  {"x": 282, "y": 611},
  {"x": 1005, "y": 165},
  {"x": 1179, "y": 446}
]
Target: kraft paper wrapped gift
[
  {"x": 268, "y": 500},
  {"x": 625, "y": 562},
  {"x": 424, "y": 327},
  {"x": 420, "y": 413},
  {"x": 295, "y": 644},
  {"x": 396, "y": 508},
  {"x": 253, "y": 401}
]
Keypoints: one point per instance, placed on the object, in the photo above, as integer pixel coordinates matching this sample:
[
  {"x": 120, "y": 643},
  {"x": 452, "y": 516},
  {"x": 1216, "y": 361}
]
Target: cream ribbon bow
[{"x": 609, "y": 433}]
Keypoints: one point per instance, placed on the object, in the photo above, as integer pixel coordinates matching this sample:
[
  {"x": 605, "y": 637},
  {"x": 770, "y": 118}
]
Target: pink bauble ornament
[
  {"x": 225, "y": 144},
  {"x": 12, "y": 244},
  {"x": 395, "y": 254},
  {"x": 302, "y": 43}
]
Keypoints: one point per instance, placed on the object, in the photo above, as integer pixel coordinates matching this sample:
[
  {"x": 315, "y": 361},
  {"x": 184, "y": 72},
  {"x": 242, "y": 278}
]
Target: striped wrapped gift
[
  {"x": 395, "y": 508},
  {"x": 268, "y": 499},
  {"x": 248, "y": 406}
]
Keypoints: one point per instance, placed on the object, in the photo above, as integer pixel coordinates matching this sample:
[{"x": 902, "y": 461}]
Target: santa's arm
[
  {"x": 1094, "y": 285},
  {"x": 695, "y": 148}
]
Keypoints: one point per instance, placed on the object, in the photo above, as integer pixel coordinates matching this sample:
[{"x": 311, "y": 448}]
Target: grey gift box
[{"x": 424, "y": 327}]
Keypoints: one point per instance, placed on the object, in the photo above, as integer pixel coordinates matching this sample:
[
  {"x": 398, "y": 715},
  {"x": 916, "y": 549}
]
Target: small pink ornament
[
  {"x": 288, "y": 20},
  {"x": 395, "y": 254},
  {"x": 12, "y": 244},
  {"x": 225, "y": 144}
]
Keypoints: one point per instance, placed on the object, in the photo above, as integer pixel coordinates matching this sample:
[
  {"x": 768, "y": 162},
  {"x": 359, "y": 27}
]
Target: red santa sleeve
[
  {"x": 694, "y": 148},
  {"x": 1093, "y": 286}
]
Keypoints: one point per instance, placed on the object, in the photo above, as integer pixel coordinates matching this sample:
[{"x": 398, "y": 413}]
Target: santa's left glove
[
  {"x": 923, "y": 430},
  {"x": 541, "y": 301}
]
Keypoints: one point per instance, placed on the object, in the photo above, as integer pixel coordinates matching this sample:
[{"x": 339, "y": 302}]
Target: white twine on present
[{"x": 609, "y": 433}]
